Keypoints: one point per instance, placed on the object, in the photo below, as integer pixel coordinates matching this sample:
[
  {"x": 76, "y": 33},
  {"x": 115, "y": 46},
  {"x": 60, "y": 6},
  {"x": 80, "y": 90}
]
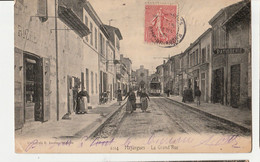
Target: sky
[{"x": 129, "y": 17}]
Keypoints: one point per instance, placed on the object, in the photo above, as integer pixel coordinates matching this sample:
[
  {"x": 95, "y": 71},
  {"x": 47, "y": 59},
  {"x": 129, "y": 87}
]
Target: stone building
[
  {"x": 115, "y": 37},
  {"x": 160, "y": 76},
  {"x": 45, "y": 59},
  {"x": 232, "y": 53},
  {"x": 60, "y": 48},
  {"x": 142, "y": 77},
  {"x": 126, "y": 67},
  {"x": 199, "y": 65},
  {"x": 175, "y": 70}
]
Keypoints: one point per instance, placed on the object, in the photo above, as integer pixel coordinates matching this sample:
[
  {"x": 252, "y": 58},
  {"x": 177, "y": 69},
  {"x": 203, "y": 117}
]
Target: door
[
  {"x": 218, "y": 86},
  {"x": 46, "y": 89},
  {"x": 33, "y": 78},
  {"x": 70, "y": 94},
  {"x": 18, "y": 89},
  {"x": 235, "y": 85},
  {"x": 203, "y": 87},
  {"x": 82, "y": 81},
  {"x": 87, "y": 80}
]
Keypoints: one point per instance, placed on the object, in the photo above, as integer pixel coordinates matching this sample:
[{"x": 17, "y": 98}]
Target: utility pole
[{"x": 57, "y": 60}]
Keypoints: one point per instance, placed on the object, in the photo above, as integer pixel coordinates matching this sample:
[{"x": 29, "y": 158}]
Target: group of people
[
  {"x": 131, "y": 100},
  {"x": 188, "y": 95}
]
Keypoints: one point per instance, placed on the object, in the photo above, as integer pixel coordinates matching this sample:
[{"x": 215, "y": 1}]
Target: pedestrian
[
  {"x": 119, "y": 96},
  {"x": 184, "y": 95},
  {"x": 83, "y": 100},
  {"x": 144, "y": 100},
  {"x": 197, "y": 95},
  {"x": 168, "y": 93},
  {"x": 131, "y": 101}
]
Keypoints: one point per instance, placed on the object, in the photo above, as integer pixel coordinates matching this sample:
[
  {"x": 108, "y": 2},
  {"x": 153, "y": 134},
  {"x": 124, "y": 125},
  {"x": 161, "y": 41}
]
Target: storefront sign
[
  {"x": 229, "y": 51},
  {"x": 27, "y": 34}
]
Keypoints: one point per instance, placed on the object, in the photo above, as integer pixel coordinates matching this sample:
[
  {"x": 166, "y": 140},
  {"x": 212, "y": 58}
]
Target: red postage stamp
[{"x": 160, "y": 24}]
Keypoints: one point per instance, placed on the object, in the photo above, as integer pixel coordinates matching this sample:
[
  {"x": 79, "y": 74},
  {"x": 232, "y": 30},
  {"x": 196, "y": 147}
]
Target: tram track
[{"x": 195, "y": 122}]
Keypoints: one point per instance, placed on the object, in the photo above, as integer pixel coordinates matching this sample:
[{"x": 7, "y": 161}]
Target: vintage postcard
[{"x": 132, "y": 76}]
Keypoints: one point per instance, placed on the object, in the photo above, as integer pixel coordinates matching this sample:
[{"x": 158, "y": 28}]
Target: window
[
  {"x": 87, "y": 80},
  {"x": 101, "y": 43},
  {"x": 208, "y": 49},
  {"x": 193, "y": 58},
  {"x": 96, "y": 38},
  {"x": 104, "y": 45},
  {"x": 42, "y": 10},
  {"x": 190, "y": 60},
  {"x": 82, "y": 81},
  {"x": 196, "y": 57},
  {"x": 92, "y": 82},
  {"x": 215, "y": 37},
  {"x": 96, "y": 82},
  {"x": 203, "y": 55},
  {"x": 91, "y": 35},
  {"x": 86, "y": 23}
]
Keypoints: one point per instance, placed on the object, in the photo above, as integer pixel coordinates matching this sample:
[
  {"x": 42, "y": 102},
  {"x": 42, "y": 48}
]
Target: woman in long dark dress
[
  {"x": 144, "y": 100},
  {"x": 131, "y": 101},
  {"x": 82, "y": 105}
]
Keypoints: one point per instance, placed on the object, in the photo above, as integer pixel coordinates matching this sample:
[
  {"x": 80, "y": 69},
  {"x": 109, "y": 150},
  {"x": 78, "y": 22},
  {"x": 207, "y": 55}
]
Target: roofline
[
  {"x": 119, "y": 35},
  {"x": 230, "y": 17},
  {"x": 216, "y": 16},
  {"x": 197, "y": 40},
  {"x": 100, "y": 23}
]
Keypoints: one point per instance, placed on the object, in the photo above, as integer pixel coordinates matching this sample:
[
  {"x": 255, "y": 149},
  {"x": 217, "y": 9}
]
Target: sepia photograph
[{"x": 132, "y": 76}]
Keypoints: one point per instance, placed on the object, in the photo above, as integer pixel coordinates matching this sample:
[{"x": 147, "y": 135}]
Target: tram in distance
[{"x": 155, "y": 88}]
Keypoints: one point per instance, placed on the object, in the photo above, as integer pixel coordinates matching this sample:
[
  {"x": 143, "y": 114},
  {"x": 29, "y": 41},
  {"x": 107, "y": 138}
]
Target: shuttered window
[{"x": 42, "y": 10}]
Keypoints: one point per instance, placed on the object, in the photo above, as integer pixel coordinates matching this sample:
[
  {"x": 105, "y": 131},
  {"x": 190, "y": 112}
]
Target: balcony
[{"x": 73, "y": 21}]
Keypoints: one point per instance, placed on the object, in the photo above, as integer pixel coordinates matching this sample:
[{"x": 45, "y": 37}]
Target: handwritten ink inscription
[{"x": 152, "y": 143}]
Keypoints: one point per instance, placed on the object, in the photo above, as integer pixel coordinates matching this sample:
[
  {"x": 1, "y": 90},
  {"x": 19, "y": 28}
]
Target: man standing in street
[{"x": 197, "y": 95}]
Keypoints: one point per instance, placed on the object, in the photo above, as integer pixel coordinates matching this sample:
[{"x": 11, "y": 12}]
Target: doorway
[
  {"x": 203, "y": 87},
  {"x": 235, "y": 85},
  {"x": 218, "y": 86},
  {"x": 33, "y": 89}
]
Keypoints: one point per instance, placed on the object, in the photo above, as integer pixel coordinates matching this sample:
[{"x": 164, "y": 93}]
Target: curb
[
  {"x": 244, "y": 129},
  {"x": 96, "y": 128}
]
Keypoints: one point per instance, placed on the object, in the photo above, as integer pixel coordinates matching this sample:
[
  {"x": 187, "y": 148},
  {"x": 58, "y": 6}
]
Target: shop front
[{"x": 32, "y": 88}]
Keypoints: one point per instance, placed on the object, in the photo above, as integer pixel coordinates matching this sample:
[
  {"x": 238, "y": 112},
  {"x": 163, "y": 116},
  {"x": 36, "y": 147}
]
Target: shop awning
[{"x": 73, "y": 21}]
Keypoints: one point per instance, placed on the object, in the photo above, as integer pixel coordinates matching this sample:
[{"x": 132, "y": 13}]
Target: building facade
[
  {"x": 60, "y": 47},
  {"x": 115, "y": 37},
  {"x": 231, "y": 46},
  {"x": 142, "y": 78},
  {"x": 160, "y": 75}
]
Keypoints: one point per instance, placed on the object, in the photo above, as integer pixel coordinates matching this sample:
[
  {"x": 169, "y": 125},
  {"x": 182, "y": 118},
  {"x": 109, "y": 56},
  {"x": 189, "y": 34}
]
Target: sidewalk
[
  {"x": 78, "y": 124},
  {"x": 238, "y": 116}
]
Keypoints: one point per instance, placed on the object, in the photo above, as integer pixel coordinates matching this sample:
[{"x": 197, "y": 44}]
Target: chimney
[{"x": 164, "y": 61}]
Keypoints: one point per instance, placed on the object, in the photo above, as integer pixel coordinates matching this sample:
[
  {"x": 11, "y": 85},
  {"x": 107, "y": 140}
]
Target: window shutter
[
  {"x": 42, "y": 10},
  {"x": 19, "y": 92}
]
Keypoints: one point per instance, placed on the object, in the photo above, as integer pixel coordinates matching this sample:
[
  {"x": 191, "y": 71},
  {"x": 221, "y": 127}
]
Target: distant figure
[
  {"x": 187, "y": 95},
  {"x": 131, "y": 101},
  {"x": 197, "y": 95},
  {"x": 119, "y": 96},
  {"x": 168, "y": 92},
  {"x": 82, "y": 104},
  {"x": 143, "y": 98},
  {"x": 184, "y": 95}
]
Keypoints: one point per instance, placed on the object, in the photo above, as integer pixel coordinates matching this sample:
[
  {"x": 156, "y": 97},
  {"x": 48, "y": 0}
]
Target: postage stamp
[{"x": 162, "y": 24}]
